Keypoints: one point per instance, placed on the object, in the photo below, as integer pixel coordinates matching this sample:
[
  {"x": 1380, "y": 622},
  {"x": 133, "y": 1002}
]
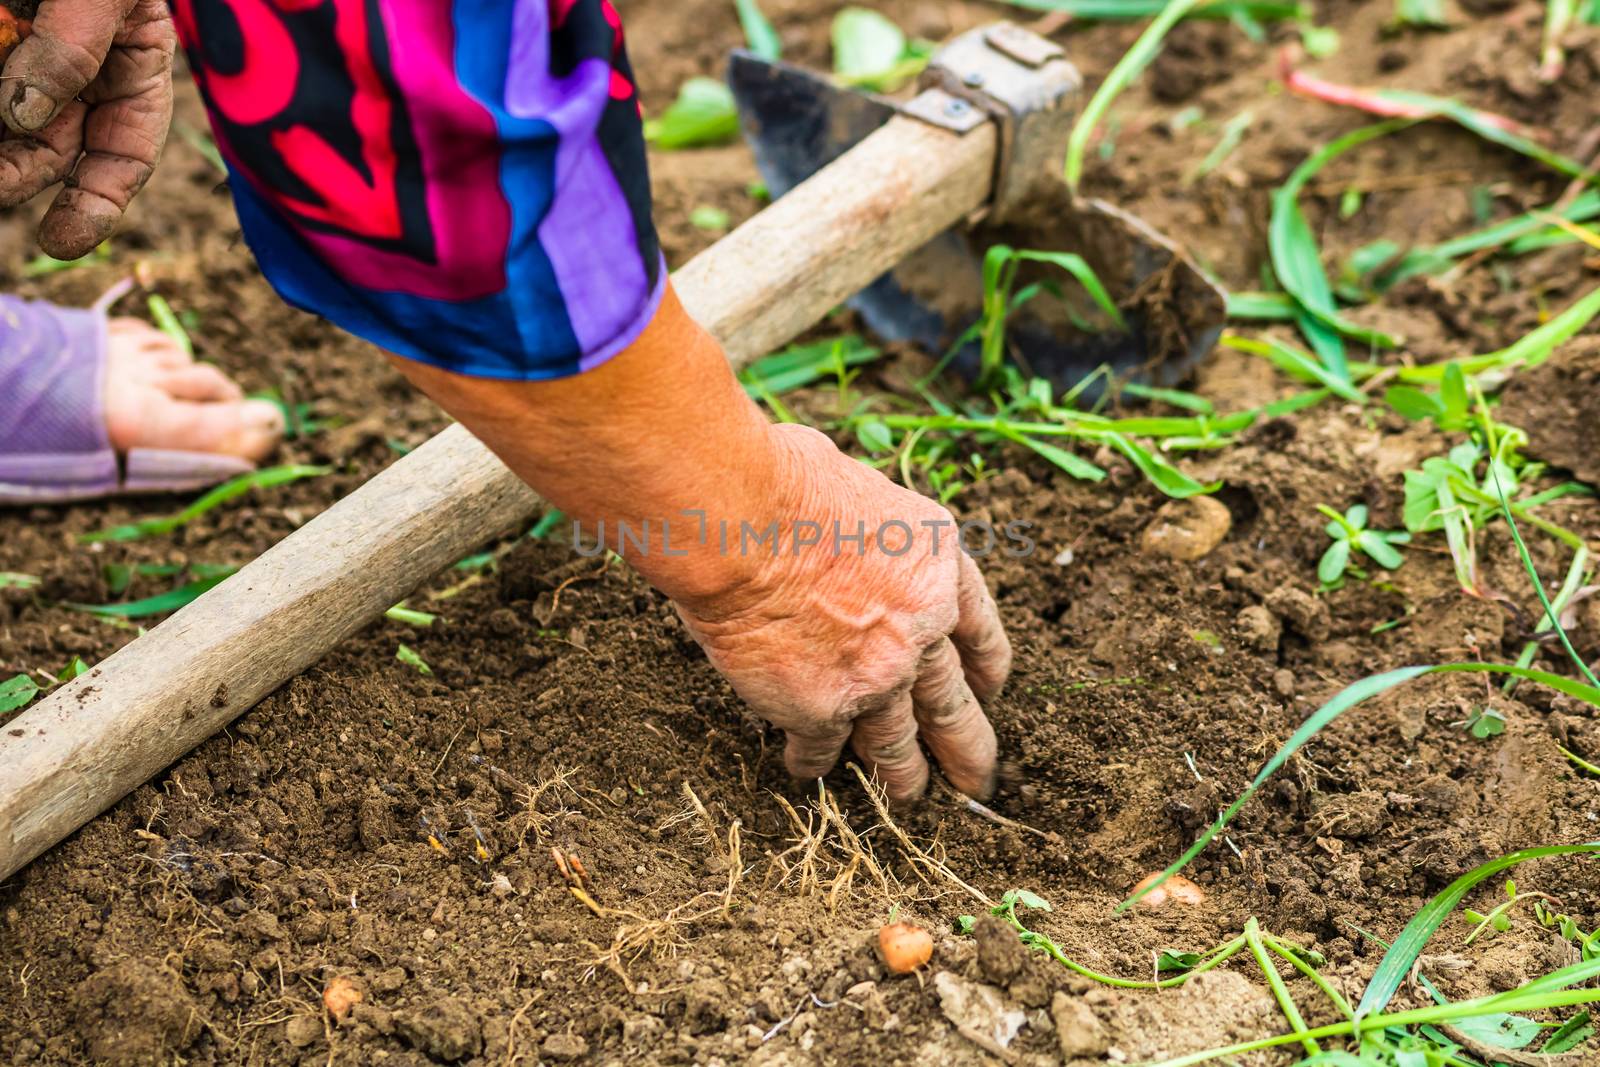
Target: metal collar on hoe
[{"x": 798, "y": 122}]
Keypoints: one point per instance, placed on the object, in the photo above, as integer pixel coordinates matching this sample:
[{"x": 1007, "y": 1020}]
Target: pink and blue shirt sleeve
[{"x": 462, "y": 182}]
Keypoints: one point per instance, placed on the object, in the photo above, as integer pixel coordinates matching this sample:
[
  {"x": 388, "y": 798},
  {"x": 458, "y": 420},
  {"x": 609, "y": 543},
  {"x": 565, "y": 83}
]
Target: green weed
[
  {"x": 1350, "y": 535},
  {"x": 703, "y": 114},
  {"x": 262, "y": 479},
  {"x": 871, "y": 52},
  {"x": 409, "y": 656}
]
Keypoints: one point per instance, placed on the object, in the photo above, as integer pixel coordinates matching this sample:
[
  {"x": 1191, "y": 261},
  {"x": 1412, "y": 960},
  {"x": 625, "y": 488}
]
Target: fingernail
[{"x": 32, "y": 109}]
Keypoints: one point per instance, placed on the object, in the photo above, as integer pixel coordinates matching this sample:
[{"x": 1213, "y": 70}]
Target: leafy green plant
[
  {"x": 1350, "y": 535},
  {"x": 871, "y": 52},
  {"x": 1587, "y": 944},
  {"x": 703, "y": 114},
  {"x": 1450, "y": 408},
  {"x": 17, "y": 692},
  {"x": 1448, "y": 493},
  {"x": 1000, "y": 266},
  {"x": 20, "y": 690},
  {"x": 802, "y": 364}
]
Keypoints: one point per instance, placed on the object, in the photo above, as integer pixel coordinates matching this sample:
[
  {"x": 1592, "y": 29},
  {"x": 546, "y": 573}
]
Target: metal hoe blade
[{"x": 797, "y": 122}]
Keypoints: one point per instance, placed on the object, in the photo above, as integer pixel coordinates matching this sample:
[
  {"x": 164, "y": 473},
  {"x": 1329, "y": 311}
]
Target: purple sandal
[{"x": 53, "y": 441}]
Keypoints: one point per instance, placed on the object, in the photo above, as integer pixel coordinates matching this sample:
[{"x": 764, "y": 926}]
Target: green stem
[
  {"x": 1312, "y": 973},
  {"x": 1583, "y": 765},
  {"x": 1564, "y": 595},
  {"x": 1218, "y": 956},
  {"x": 1501, "y": 910},
  {"x": 1527, "y": 563},
  {"x": 1280, "y": 991},
  {"x": 1461, "y": 1009},
  {"x": 1126, "y": 70}
]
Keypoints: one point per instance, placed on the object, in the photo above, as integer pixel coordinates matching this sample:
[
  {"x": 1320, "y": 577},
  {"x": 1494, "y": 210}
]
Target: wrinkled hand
[
  {"x": 875, "y": 649},
  {"x": 86, "y": 101}
]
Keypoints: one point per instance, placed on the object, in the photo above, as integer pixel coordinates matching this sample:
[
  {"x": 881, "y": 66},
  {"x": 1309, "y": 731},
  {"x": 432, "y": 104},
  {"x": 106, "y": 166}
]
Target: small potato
[
  {"x": 341, "y": 995},
  {"x": 1175, "y": 890},
  {"x": 905, "y": 947}
]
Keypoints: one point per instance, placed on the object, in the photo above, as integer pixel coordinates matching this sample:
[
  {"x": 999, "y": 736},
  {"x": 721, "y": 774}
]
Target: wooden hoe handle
[{"x": 96, "y": 738}]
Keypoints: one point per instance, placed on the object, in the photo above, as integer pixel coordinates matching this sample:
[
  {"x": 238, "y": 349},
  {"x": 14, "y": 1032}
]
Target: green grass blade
[
  {"x": 1536, "y": 346},
  {"x": 1347, "y": 698},
  {"x": 1579, "y": 762},
  {"x": 1296, "y": 363},
  {"x": 1297, "y": 257},
  {"x": 1079, "y": 268},
  {"x": 1178, "y": 398},
  {"x": 261, "y": 479},
  {"x": 1122, "y": 75},
  {"x": 1396, "y": 963},
  {"x": 1229, "y": 140},
  {"x": 153, "y": 605},
  {"x": 1074, "y": 465},
  {"x": 1273, "y": 307},
  {"x": 166, "y": 321},
  {"x": 1485, "y": 126},
  {"x": 410, "y": 657},
  {"x": 1163, "y": 475},
  {"x": 16, "y": 580},
  {"x": 1552, "y": 616},
  {"x": 759, "y": 33}
]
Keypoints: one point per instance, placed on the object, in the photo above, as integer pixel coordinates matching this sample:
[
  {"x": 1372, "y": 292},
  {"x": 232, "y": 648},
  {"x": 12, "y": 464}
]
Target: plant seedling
[
  {"x": 871, "y": 52},
  {"x": 710, "y": 218},
  {"x": 703, "y": 114},
  {"x": 409, "y": 656},
  {"x": 1350, "y": 534},
  {"x": 1498, "y": 921}
]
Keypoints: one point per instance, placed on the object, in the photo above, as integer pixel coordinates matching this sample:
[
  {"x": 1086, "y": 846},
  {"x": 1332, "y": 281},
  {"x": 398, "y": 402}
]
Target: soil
[{"x": 402, "y": 830}]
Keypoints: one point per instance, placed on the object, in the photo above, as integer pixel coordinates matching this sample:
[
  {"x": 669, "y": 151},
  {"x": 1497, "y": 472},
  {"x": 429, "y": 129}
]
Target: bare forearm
[{"x": 660, "y": 429}]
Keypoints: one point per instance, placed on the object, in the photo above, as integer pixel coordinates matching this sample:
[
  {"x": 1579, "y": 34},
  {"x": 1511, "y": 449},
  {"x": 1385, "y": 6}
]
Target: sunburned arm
[{"x": 875, "y": 644}]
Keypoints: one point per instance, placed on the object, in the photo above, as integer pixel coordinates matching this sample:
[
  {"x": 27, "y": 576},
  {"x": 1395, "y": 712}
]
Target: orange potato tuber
[
  {"x": 341, "y": 995},
  {"x": 904, "y": 946},
  {"x": 1175, "y": 890}
]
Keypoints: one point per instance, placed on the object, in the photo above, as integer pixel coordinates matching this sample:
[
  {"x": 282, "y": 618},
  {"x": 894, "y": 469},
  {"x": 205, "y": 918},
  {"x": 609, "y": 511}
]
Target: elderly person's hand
[{"x": 86, "y": 100}]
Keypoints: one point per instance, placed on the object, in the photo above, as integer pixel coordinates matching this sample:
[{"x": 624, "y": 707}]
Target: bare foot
[{"x": 157, "y": 396}]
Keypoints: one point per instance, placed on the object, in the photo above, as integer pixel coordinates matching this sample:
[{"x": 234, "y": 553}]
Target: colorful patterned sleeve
[{"x": 463, "y": 183}]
